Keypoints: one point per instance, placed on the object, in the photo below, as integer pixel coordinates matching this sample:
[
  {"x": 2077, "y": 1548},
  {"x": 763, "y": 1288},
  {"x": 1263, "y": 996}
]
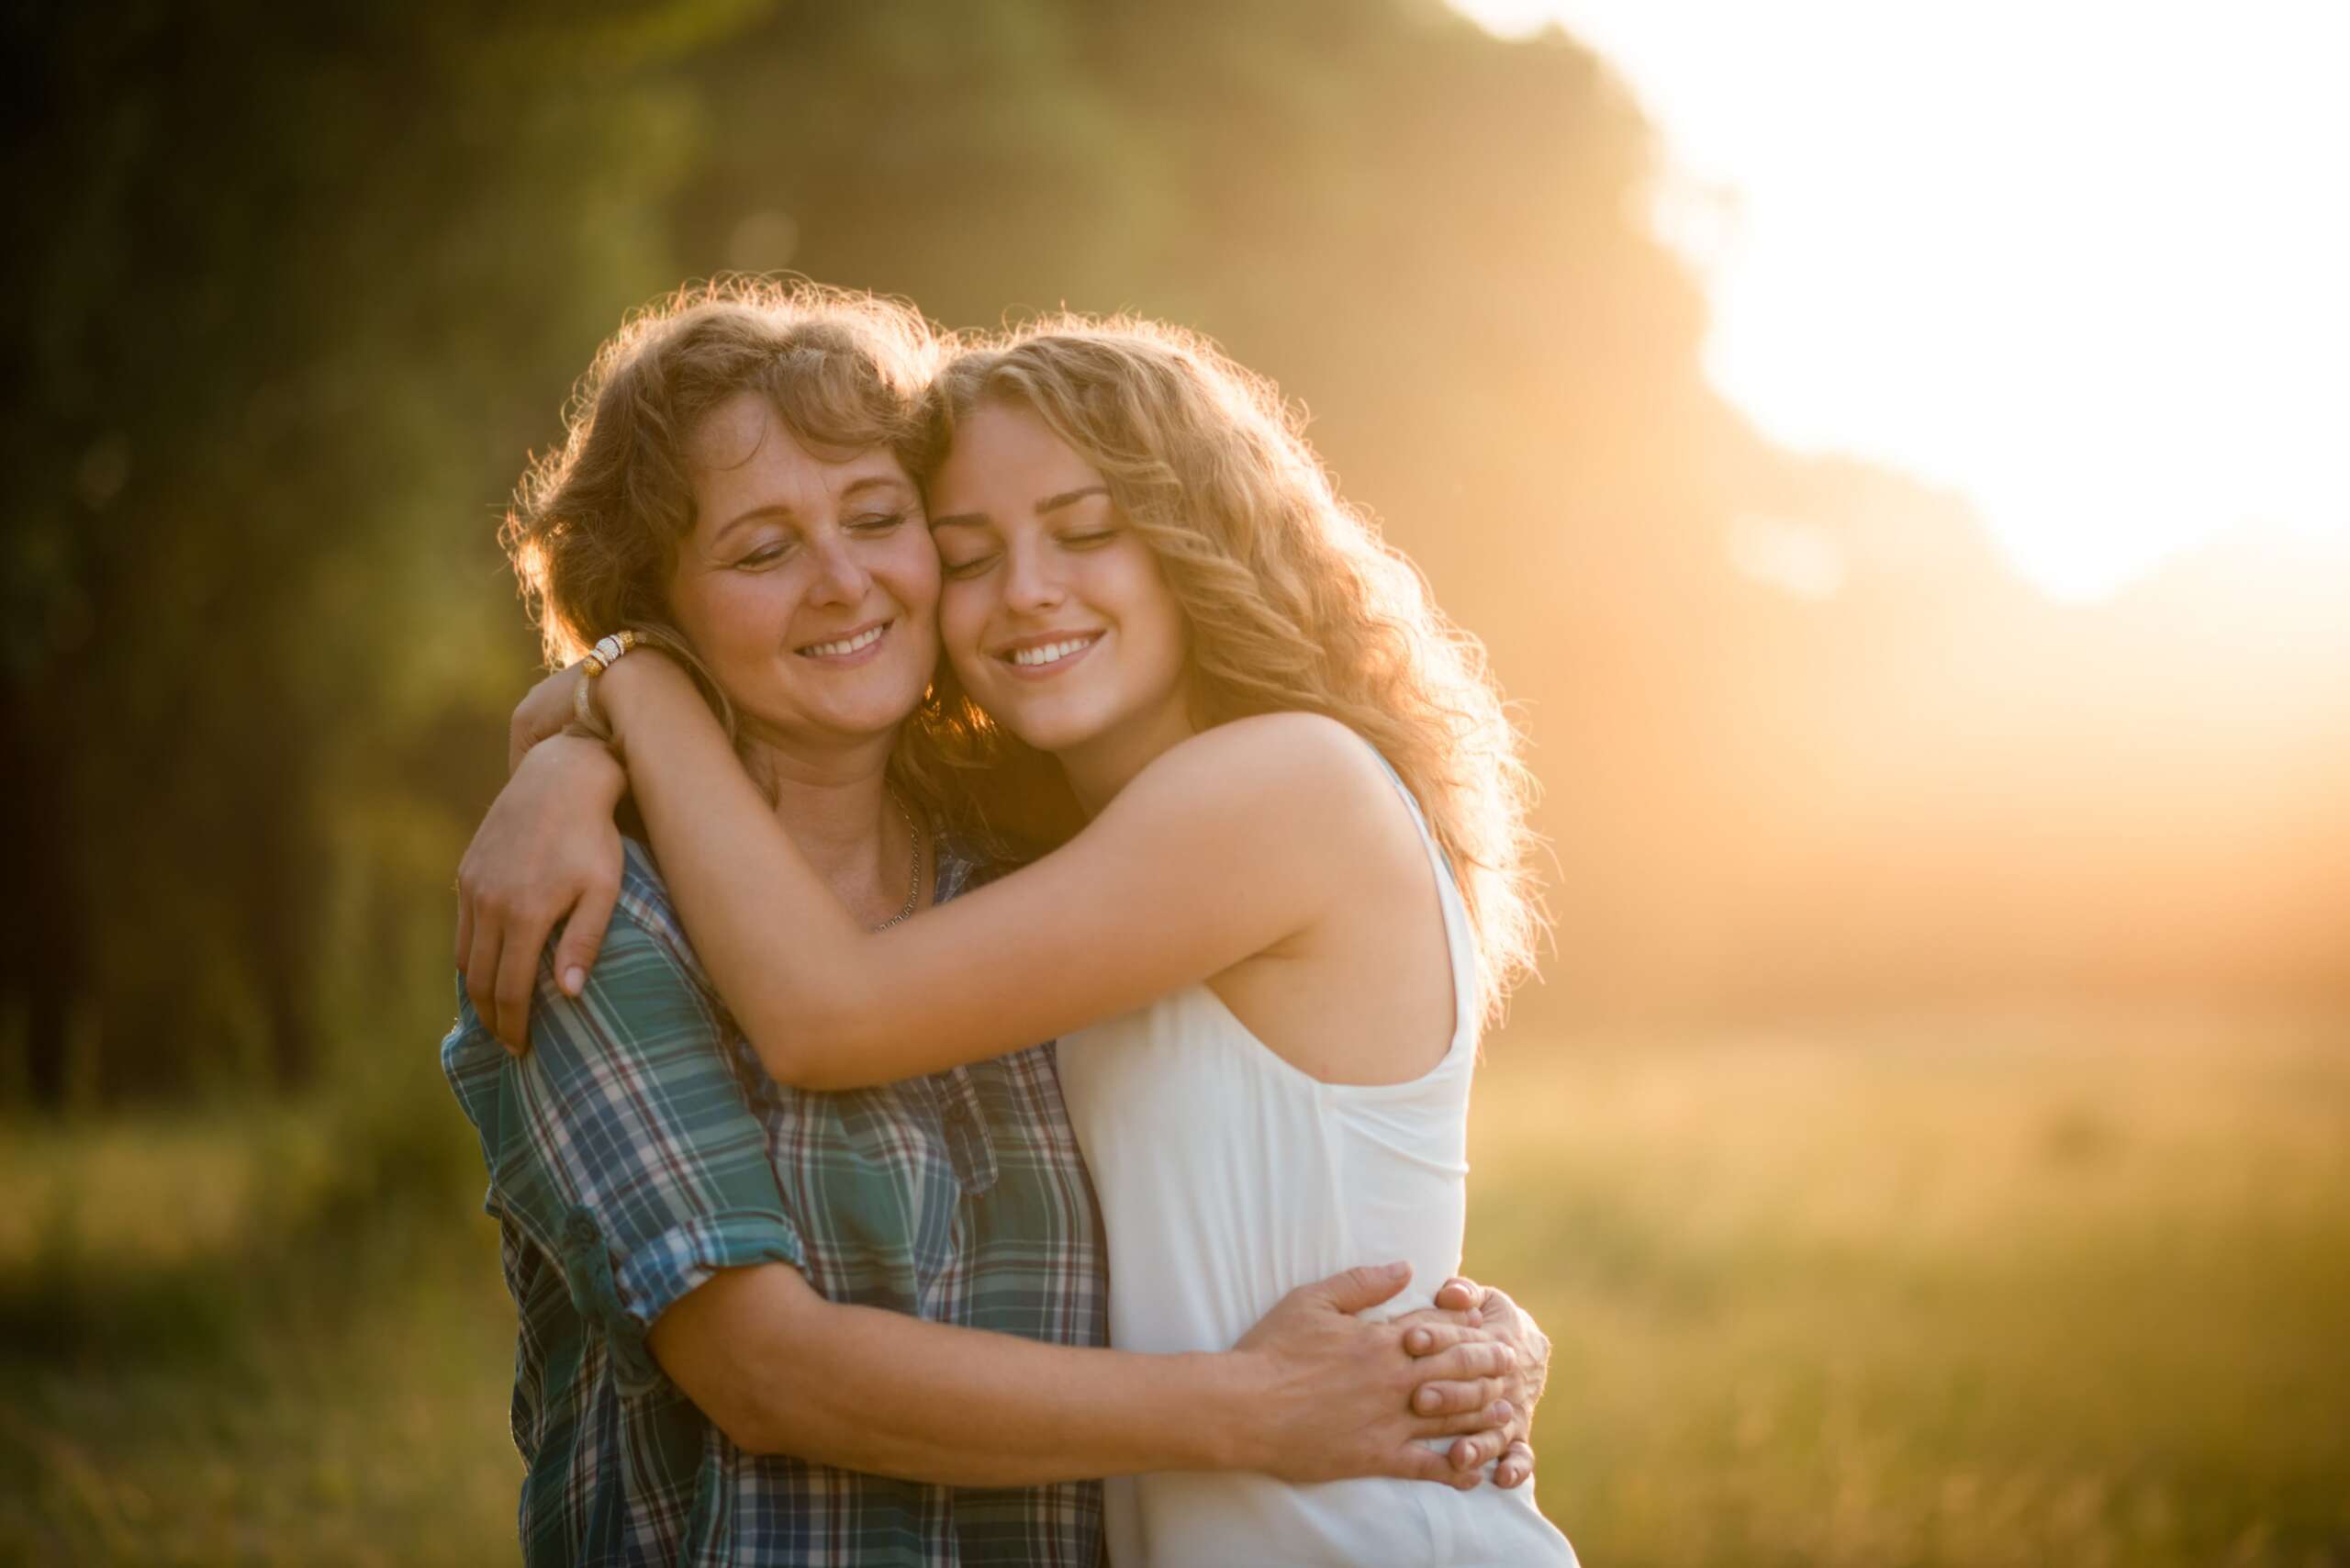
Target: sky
[{"x": 2086, "y": 263}]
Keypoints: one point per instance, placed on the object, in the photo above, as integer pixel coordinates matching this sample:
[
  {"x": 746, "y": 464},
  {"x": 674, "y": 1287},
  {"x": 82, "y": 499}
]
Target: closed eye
[
  {"x": 881, "y": 523},
  {"x": 969, "y": 566}
]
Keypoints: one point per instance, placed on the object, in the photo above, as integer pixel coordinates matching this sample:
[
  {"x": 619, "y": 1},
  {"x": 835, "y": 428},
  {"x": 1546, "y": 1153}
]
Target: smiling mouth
[
  {"x": 841, "y": 647},
  {"x": 1040, "y": 655}
]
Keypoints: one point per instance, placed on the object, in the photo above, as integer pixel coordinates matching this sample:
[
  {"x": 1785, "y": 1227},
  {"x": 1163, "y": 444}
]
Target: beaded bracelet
[{"x": 598, "y": 659}]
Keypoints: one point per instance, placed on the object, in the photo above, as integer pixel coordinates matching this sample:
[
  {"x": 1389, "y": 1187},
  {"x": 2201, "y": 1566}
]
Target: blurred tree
[
  {"x": 298, "y": 292},
  {"x": 298, "y": 285},
  {"x": 304, "y": 291}
]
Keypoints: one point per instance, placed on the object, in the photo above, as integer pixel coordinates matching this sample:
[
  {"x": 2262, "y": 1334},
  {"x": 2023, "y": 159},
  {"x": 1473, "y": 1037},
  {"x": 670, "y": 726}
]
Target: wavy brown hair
[
  {"x": 596, "y": 525},
  {"x": 1294, "y": 602}
]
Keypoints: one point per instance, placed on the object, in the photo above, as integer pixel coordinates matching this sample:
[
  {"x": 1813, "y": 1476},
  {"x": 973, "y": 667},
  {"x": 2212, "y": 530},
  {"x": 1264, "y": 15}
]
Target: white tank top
[{"x": 1228, "y": 1177}]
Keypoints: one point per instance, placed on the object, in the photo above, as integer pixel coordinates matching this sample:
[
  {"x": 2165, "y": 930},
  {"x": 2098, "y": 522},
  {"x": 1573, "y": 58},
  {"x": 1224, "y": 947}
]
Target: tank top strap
[{"x": 1460, "y": 943}]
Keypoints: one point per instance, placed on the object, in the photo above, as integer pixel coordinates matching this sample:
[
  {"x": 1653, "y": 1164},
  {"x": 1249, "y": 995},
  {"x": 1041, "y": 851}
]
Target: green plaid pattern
[{"x": 639, "y": 1148}]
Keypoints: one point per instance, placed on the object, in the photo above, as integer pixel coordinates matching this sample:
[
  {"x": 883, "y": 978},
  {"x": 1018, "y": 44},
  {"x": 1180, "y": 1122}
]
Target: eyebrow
[
  {"x": 778, "y": 509},
  {"x": 1050, "y": 503}
]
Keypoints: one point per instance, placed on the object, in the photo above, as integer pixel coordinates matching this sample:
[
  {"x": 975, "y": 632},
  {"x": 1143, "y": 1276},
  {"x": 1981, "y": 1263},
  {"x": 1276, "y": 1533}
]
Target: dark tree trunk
[
  {"x": 41, "y": 938},
  {"x": 279, "y": 891}
]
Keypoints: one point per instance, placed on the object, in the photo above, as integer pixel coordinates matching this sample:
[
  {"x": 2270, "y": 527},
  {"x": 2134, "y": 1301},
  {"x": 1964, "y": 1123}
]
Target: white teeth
[
  {"x": 1050, "y": 653},
  {"x": 846, "y": 645}
]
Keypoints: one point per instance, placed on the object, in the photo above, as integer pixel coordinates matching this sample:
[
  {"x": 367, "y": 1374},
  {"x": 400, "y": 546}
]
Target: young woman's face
[
  {"x": 1054, "y": 612},
  {"x": 809, "y": 584}
]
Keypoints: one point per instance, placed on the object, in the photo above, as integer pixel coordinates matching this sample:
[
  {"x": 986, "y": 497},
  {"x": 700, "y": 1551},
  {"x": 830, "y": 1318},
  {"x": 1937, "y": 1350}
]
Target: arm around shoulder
[
  {"x": 1224, "y": 847},
  {"x": 624, "y": 1143}
]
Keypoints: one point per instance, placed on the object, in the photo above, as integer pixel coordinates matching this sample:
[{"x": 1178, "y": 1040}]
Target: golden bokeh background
[{"x": 1928, "y": 1144}]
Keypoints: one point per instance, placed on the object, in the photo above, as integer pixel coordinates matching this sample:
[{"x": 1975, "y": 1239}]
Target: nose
[
  {"x": 1031, "y": 580},
  {"x": 840, "y": 578}
]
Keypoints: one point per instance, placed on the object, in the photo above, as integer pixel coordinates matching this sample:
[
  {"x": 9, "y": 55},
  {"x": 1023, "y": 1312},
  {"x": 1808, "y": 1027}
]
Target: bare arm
[
  {"x": 1223, "y": 847},
  {"x": 546, "y": 853},
  {"x": 1312, "y": 1393}
]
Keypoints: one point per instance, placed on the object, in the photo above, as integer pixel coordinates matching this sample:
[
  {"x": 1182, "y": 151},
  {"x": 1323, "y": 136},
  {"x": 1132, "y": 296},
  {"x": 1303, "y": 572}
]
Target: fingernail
[
  {"x": 1419, "y": 1338},
  {"x": 1500, "y": 1412},
  {"x": 1425, "y": 1399},
  {"x": 573, "y": 979}
]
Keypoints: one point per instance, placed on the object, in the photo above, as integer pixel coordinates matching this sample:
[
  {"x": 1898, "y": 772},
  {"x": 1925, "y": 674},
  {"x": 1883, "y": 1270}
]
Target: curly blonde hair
[{"x": 1293, "y": 601}]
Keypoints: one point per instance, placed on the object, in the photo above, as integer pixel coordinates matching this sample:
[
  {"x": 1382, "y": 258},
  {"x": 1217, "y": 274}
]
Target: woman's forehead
[
  {"x": 740, "y": 448},
  {"x": 1004, "y": 451}
]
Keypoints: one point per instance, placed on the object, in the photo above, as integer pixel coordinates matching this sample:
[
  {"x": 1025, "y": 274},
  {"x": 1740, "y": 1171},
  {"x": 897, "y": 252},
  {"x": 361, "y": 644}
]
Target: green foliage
[
  {"x": 296, "y": 297},
  {"x": 304, "y": 294}
]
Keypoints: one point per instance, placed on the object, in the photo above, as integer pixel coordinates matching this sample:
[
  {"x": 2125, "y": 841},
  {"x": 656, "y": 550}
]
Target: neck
[
  {"x": 1099, "y": 767},
  {"x": 835, "y": 805}
]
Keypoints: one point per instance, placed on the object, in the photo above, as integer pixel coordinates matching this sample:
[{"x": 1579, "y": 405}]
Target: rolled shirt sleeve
[{"x": 623, "y": 1146}]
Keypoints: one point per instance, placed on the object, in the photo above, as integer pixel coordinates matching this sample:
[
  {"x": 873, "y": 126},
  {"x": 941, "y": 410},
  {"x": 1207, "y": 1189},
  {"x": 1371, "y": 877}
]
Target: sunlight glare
[{"x": 2081, "y": 262}]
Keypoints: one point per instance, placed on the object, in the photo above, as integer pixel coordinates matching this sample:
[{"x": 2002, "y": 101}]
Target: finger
[
  {"x": 1418, "y": 1462},
  {"x": 1457, "y": 1398},
  {"x": 1357, "y": 1289},
  {"x": 1460, "y": 1466},
  {"x": 1473, "y": 1358},
  {"x": 1491, "y": 1418},
  {"x": 583, "y": 936},
  {"x": 481, "y": 971},
  {"x": 1434, "y": 1334},
  {"x": 1460, "y": 1294},
  {"x": 518, "y": 975},
  {"x": 1515, "y": 1390},
  {"x": 1470, "y": 1456},
  {"x": 464, "y": 925},
  {"x": 1463, "y": 1296},
  {"x": 1516, "y": 1467}
]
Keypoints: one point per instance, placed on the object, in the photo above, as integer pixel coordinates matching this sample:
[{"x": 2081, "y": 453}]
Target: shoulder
[
  {"x": 644, "y": 920},
  {"x": 1306, "y": 771},
  {"x": 646, "y": 991},
  {"x": 644, "y": 899}
]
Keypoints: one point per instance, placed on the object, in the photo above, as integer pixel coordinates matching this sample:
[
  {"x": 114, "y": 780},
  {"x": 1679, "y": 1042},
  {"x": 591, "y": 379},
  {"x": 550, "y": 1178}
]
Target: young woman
[
  {"x": 749, "y": 1316},
  {"x": 1300, "y": 889}
]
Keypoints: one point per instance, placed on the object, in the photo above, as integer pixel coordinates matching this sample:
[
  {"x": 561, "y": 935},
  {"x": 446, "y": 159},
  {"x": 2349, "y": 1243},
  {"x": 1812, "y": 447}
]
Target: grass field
[{"x": 2021, "y": 1288}]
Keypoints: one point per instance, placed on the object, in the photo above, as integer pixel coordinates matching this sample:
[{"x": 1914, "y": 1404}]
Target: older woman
[{"x": 763, "y": 1324}]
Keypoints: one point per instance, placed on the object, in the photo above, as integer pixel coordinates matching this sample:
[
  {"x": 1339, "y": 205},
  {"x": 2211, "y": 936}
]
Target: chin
[{"x": 1051, "y": 732}]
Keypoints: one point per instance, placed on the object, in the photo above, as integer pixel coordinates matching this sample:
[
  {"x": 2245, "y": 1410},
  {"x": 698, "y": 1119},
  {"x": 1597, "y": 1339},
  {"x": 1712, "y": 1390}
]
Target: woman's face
[
  {"x": 809, "y": 585},
  {"x": 1054, "y": 612}
]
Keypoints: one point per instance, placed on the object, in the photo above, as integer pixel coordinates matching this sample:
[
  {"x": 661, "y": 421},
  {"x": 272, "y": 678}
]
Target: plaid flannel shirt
[{"x": 639, "y": 1148}]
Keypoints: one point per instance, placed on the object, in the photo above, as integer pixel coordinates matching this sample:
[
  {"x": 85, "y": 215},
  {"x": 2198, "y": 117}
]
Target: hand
[
  {"x": 1337, "y": 1390},
  {"x": 546, "y": 852},
  {"x": 1523, "y": 1385},
  {"x": 541, "y": 715}
]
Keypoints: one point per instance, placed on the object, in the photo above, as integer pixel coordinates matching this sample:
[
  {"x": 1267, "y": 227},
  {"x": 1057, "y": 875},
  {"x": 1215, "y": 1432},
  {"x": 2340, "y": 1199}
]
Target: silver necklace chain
[{"x": 913, "y": 871}]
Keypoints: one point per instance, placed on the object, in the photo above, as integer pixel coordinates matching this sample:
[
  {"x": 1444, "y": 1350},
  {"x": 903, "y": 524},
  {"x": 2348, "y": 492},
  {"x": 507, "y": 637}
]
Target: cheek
[
  {"x": 909, "y": 569},
  {"x": 1152, "y": 614},
  {"x": 962, "y": 626},
  {"x": 741, "y": 616},
  {"x": 694, "y": 608}
]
